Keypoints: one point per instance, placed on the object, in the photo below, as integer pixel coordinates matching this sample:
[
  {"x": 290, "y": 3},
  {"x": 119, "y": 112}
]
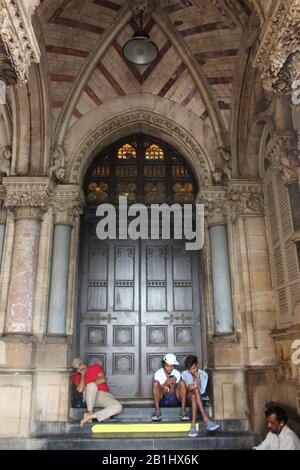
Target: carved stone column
[
  {"x": 18, "y": 44},
  {"x": 68, "y": 203},
  {"x": 27, "y": 199},
  {"x": 215, "y": 211}
]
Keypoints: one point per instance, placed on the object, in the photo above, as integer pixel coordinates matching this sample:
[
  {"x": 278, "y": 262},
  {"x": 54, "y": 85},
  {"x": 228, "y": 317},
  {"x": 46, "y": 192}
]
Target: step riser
[
  {"x": 201, "y": 443},
  {"x": 71, "y": 428},
  {"x": 138, "y": 414}
]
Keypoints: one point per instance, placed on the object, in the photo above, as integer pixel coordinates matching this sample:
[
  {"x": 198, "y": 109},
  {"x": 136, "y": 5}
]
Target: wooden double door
[{"x": 138, "y": 301}]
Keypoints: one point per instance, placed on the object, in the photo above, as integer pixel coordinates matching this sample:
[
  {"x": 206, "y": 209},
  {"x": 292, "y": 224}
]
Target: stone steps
[
  {"x": 232, "y": 441},
  {"x": 233, "y": 434}
]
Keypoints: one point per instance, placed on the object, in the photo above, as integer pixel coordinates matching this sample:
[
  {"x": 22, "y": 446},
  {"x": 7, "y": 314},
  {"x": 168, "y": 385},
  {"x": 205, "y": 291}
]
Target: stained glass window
[
  {"x": 97, "y": 192},
  {"x": 127, "y": 152},
  {"x": 154, "y": 152}
]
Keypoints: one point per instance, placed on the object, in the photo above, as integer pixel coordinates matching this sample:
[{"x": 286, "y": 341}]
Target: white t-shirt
[
  {"x": 161, "y": 376},
  {"x": 286, "y": 440}
]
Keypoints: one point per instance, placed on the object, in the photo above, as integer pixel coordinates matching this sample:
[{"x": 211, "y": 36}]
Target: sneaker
[
  {"x": 212, "y": 426},
  {"x": 156, "y": 416},
  {"x": 193, "y": 432}
]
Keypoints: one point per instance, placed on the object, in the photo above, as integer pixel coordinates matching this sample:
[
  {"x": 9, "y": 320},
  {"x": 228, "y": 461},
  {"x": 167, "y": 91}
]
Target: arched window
[{"x": 143, "y": 169}]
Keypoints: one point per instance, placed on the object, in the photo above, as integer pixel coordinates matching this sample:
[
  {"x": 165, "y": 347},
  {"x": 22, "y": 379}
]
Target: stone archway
[{"x": 140, "y": 299}]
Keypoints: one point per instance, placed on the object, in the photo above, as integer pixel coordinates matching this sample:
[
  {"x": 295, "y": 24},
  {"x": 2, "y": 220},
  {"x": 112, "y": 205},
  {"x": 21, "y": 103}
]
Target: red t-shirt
[{"x": 91, "y": 375}]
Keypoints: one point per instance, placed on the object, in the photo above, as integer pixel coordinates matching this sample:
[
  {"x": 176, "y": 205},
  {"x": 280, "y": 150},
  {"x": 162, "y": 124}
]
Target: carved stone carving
[
  {"x": 214, "y": 205},
  {"x": 68, "y": 203},
  {"x": 146, "y": 6},
  {"x": 7, "y": 73},
  {"x": 19, "y": 41},
  {"x": 284, "y": 155},
  {"x": 222, "y": 160},
  {"x": 241, "y": 198},
  {"x": 5, "y": 161},
  {"x": 245, "y": 198},
  {"x": 27, "y": 197},
  {"x": 278, "y": 54},
  {"x": 91, "y": 142},
  {"x": 58, "y": 168}
]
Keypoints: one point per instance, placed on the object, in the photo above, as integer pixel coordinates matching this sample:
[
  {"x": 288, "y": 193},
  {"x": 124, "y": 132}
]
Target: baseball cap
[{"x": 171, "y": 359}]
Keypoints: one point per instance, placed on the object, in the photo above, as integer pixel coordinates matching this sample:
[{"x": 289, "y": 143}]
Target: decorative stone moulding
[
  {"x": 240, "y": 198},
  {"x": 76, "y": 167},
  {"x": 18, "y": 41},
  {"x": 279, "y": 52},
  {"x": 68, "y": 203},
  {"x": 283, "y": 153},
  {"x": 27, "y": 198}
]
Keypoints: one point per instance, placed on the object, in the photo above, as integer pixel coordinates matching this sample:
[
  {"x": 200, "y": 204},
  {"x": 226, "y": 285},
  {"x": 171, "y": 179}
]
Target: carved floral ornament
[
  {"x": 284, "y": 155},
  {"x": 201, "y": 166},
  {"x": 18, "y": 40},
  {"x": 27, "y": 199},
  {"x": 278, "y": 54},
  {"x": 240, "y": 198},
  {"x": 67, "y": 203}
]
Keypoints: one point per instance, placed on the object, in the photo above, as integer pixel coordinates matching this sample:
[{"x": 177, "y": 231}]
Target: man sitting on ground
[
  {"x": 196, "y": 382},
  {"x": 168, "y": 389},
  {"x": 280, "y": 437},
  {"x": 91, "y": 381}
]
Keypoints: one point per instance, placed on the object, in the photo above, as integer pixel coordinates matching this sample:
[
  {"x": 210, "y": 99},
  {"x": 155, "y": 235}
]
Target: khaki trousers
[{"x": 97, "y": 398}]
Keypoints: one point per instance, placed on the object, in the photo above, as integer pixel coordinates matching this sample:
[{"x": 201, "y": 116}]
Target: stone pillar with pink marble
[{"x": 27, "y": 201}]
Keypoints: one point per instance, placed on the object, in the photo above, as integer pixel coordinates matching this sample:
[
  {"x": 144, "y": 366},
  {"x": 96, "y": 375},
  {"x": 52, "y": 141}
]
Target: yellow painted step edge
[{"x": 146, "y": 427}]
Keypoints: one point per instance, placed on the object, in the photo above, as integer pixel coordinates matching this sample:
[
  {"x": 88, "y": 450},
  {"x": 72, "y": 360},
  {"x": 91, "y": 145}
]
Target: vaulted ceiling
[{"x": 211, "y": 30}]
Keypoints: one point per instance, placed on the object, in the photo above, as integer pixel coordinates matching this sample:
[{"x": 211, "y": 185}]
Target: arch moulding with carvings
[{"x": 143, "y": 121}]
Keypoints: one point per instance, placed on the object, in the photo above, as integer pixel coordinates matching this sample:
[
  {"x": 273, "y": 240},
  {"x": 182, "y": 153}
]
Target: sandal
[
  {"x": 212, "y": 426},
  {"x": 193, "y": 432},
  {"x": 185, "y": 418},
  {"x": 156, "y": 416}
]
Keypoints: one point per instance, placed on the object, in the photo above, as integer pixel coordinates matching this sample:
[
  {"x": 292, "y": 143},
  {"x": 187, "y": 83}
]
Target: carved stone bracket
[
  {"x": 245, "y": 198},
  {"x": 278, "y": 54},
  {"x": 146, "y": 6},
  {"x": 68, "y": 203},
  {"x": 19, "y": 42},
  {"x": 283, "y": 154},
  {"x": 215, "y": 207},
  {"x": 240, "y": 198},
  {"x": 27, "y": 197}
]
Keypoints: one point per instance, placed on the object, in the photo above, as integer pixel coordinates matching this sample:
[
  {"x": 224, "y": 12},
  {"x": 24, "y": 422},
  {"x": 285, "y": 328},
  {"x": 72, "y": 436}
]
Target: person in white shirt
[
  {"x": 168, "y": 389},
  {"x": 280, "y": 437},
  {"x": 196, "y": 382}
]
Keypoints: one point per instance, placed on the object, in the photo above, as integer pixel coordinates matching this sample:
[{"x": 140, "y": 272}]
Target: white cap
[{"x": 171, "y": 359}]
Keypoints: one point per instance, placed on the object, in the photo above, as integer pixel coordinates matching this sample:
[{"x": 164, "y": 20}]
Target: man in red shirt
[{"x": 90, "y": 380}]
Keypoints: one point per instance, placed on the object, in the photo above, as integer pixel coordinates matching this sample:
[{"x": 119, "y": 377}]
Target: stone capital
[
  {"x": 215, "y": 208},
  {"x": 278, "y": 54},
  {"x": 283, "y": 154},
  {"x": 68, "y": 203},
  {"x": 17, "y": 42},
  {"x": 245, "y": 198},
  {"x": 27, "y": 197}
]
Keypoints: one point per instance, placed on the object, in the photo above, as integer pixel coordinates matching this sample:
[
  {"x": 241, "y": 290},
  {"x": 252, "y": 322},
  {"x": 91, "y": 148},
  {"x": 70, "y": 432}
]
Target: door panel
[
  {"x": 139, "y": 301},
  {"x": 169, "y": 281},
  {"x": 109, "y": 330}
]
